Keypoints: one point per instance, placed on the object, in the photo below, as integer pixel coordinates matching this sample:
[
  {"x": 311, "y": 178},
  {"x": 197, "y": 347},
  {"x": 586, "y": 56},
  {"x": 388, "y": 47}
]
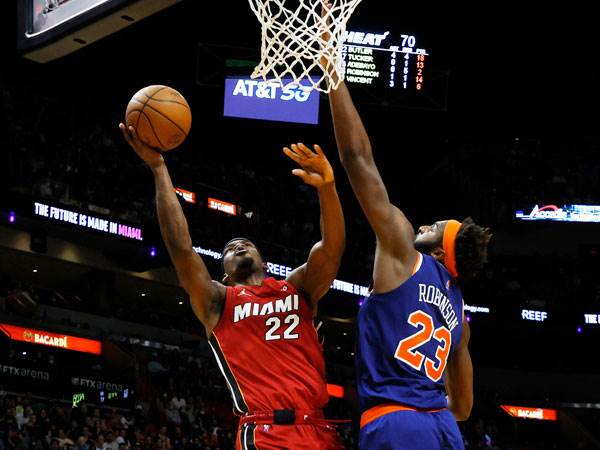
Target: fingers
[
  {"x": 301, "y": 174},
  {"x": 132, "y": 139},
  {"x": 296, "y": 153},
  {"x": 309, "y": 153},
  {"x": 303, "y": 155},
  {"x": 325, "y": 7},
  {"x": 319, "y": 151},
  {"x": 292, "y": 155},
  {"x": 301, "y": 148},
  {"x": 126, "y": 133},
  {"x": 133, "y": 132}
]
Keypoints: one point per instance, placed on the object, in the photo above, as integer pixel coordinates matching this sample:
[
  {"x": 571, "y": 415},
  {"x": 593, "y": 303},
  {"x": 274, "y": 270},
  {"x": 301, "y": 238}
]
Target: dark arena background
[{"x": 99, "y": 346}]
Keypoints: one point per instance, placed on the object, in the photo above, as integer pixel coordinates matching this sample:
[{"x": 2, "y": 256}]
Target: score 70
[{"x": 408, "y": 40}]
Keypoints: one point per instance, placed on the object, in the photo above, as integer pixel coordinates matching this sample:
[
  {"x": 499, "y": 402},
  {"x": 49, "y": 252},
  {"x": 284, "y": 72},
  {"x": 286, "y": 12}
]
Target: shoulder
[
  {"x": 441, "y": 270},
  {"x": 427, "y": 266},
  {"x": 434, "y": 271},
  {"x": 296, "y": 276}
]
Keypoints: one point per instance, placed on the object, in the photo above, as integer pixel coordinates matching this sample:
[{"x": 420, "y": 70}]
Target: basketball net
[{"x": 300, "y": 44}]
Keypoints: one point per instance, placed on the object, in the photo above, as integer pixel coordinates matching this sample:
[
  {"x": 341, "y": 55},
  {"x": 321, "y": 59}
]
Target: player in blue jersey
[{"x": 414, "y": 371}]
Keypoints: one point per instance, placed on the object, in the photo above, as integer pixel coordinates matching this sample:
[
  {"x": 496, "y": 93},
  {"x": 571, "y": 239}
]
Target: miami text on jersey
[{"x": 248, "y": 309}]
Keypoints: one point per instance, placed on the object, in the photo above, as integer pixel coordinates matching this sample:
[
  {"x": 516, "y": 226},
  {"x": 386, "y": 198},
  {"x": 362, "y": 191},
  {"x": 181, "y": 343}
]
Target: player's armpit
[
  {"x": 314, "y": 278},
  {"x": 205, "y": 294},
  {"x": 395, "y": 255},
  {"x": 210, "y": 311}
]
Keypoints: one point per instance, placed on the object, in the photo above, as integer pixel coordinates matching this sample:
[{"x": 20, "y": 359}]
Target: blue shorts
[{"x": 412, "y": 430}]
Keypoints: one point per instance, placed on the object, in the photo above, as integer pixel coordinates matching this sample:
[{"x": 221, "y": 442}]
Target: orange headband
[{"x": 450, "y": 233}]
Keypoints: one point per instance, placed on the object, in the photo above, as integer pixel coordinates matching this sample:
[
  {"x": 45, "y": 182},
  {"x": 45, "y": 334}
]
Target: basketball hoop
[{"x": 300, "y": 45}]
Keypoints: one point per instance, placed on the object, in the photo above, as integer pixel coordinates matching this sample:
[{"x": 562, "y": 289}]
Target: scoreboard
[
  {"x": 394, "y": 69},
  {"x": 377, "y": 59}
]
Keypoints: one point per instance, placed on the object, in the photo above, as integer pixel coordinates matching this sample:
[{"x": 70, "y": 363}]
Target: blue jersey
[{"x": 405, "y": 337}]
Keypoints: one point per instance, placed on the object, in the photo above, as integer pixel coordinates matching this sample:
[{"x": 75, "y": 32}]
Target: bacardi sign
[
  {"x": 42, "y": 337},
  {"x": 525, "y": 412}
]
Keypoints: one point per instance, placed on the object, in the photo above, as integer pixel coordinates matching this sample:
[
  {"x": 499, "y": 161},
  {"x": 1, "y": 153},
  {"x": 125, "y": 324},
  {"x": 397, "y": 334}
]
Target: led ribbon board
[
  {"x": 524, "y": 412},
  {"x": 566, "y": 213},
  {"x": 283, "y": 271},
  {"x": 86, "y": 221},
  {"x": 42, "y": 337}
]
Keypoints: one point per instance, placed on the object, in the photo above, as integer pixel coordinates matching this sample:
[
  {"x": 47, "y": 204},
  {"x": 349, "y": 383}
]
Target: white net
[{"x": 302, "y": 41}]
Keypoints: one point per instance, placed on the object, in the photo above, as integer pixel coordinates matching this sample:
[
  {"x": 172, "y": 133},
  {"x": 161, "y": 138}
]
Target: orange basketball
[{"x": 160, "y": 115}]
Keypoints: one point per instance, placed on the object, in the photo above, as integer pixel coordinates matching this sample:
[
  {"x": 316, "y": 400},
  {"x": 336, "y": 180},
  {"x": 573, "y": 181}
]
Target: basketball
[{"x": 160, "y": 115}]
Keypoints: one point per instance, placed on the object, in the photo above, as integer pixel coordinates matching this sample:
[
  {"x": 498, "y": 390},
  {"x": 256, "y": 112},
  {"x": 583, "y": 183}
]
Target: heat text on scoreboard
[{"x": 384, "y": 59}]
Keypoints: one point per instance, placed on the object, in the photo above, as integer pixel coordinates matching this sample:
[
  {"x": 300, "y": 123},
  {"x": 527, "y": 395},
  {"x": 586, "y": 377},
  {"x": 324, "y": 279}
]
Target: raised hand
[
  {"x": 150, "y": 156},
  {"x": 325, "y": 34},
  {"x": 315, "y": 168}
]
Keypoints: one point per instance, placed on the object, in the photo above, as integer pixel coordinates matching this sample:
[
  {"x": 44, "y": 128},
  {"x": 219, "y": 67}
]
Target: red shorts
[{"x": 253, "y": 436}]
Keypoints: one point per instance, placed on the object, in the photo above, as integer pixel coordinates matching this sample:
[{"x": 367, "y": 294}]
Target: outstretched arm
[
  {"x": 206, "y": 295},
  {"x": 459, "y": 377},
  {"x": 396, "y": 255},
  {"x": 315, "y": 276}
]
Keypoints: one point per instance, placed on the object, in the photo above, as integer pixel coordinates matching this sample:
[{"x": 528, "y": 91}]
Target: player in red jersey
[{"x": 261, "y": 329}]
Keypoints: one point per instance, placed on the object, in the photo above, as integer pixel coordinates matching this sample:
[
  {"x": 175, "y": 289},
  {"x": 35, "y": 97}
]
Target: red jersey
[{"x": 268, "y": 349}]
